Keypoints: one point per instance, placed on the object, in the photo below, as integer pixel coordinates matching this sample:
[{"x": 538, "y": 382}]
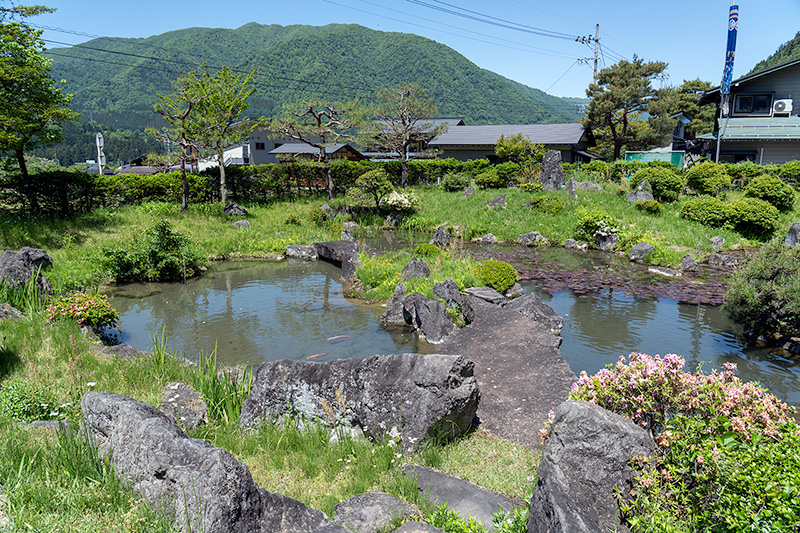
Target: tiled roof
[
  {"x": 303, "y": 148},
  {"x": 763, "y": 128},
  {"x": 549, "y": 134}
]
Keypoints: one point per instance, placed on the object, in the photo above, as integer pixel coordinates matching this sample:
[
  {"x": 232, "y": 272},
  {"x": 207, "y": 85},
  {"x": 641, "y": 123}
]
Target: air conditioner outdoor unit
[{"x": 782, "y": 107}]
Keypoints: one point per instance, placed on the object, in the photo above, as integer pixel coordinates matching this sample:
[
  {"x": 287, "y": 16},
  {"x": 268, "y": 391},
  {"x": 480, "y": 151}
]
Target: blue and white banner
[{"x": 727, "y": 72}]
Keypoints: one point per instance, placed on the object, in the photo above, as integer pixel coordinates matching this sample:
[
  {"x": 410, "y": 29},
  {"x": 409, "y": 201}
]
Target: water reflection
[{"x": 256, "y": 311}]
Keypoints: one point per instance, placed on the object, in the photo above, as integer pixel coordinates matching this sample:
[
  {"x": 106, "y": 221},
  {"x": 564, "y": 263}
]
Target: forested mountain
[
  {"x": 115, "y": 81},
  {"x": 788, "y": 51}
]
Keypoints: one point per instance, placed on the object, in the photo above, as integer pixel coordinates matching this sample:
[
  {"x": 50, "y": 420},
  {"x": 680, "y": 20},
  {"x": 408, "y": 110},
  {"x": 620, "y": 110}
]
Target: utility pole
[{"x": 596, "y": 39}]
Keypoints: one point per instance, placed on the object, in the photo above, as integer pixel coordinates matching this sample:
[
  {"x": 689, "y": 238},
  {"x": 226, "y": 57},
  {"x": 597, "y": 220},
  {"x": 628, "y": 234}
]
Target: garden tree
[
  {"x": 618, "y": 99},
  {"x": 32, "y": 108},
  {"x": 401, "y": 117},
  {"x": 222, "y": 110},
  {"x": 317, "y": 124},
  {"x": 189, "y": 129},
  {"x": 520, "y": 150},
  {"x": 375, "y": 183},
  {"x": 671, "y": 100}
]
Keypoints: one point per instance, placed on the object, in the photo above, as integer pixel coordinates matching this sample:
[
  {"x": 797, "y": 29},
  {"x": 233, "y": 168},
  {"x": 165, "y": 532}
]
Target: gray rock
[
  {"x": 461, "y": 496},
  {"x": 532, "y": 238},
  {"x": 793, "y": 236},
  {"x": 487, "y": 294},
  {"x": 489, "y": 238},
  {"x": 350, "y": 226},
  {"x": 394, "y": 316},
  {"x": 350, "y": 265},
  {"x": 588, "y": 186},
  {"x": 441, "y": 237},
  {"x": 372, "y": 512},
  {"x": 722, "y": 260},
  {"x": 18, "y": 268},
  {"x": 572, "y": 244},
  {"x": 664, "y": 271},
  {"x": 469, "y": 191},
  {"x": 571, "y": 187},
  {"x": 416, "y": 268},
  {"x": 515, "y": 291},
  {"x": 552, "y": 177},
  {"x": 606, "y": 243},
  {"x": 534, "y": 308},
  {"x": 328, "y": 210},
  {"x": 717, "y": 243},
  {"x": 453, "y": 299},
  {"x": 409, "y": 395},
  {"x": 244, "y": 224},
  {"x": 9, "y": 312},
  {"x": 334, "y": 251},
  {"x": 232, "y": 208},
  {"x": 418, "y": 527},
  {"x": 428, "y": 317},
  {"x": 51, "y": 425},
  {"x": 184, "y": 405},
  {"x": 124, "y": 351},
  {"x": 689, "y": 264},
  {"x": 640, "y": 250},
  {"x": 499, "y": 201},
  {"x": 345, "y": 236},
  {"x": 392, "y": 220},
  {"x": 198, "y": 486},
  {"x": 301, "y": 251},
  {"x": 585, "y": 461},
  {"x": 643, "y": 192}
]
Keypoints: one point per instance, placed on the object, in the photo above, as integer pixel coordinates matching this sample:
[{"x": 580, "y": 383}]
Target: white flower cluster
[{"x": 401, "y": 201}]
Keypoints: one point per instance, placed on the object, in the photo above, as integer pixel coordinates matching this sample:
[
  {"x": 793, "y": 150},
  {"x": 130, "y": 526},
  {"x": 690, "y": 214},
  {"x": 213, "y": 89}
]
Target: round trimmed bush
[
  {"x": 498, "y": 275},
  {"x": 651, "y": 206},
  {"x": 490, "y": 180},
  {"x": 707, "y": 210},
  {"x": 664, "y": 182},
  {"x": 772, "y": 190},
  {"x": 548, "y": 204},
  {"x": 427, "y": 250},
  {"x": 456, "y": 181},
  {"x": 741, "y": 173},
  {"x": 708, "y": 178},
  {"x": 753, "y": 218},
  {"x": 508, "y": 172},
  {"x": 790, "y": 172}
]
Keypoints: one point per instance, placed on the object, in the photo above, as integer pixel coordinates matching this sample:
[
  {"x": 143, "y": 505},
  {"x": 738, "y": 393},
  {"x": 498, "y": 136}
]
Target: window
[
  {"x": 753, "y": 104},
  {"x": 260, "y": 146}
]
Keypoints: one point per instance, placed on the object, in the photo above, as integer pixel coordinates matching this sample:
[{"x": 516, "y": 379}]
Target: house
[
  {"x": 764, "y": 125},
  {"x": 417, "y": 148},
  {"x": 478, "y": 142},
  {"x": 298, "y": 150}
]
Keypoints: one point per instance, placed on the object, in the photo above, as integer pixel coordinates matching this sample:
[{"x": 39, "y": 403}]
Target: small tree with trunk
[{"x": 317, "y": 124}]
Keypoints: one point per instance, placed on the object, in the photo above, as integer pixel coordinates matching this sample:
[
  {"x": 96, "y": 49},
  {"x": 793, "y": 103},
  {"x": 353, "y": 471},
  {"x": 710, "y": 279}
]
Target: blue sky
[{"x": 689, "y": 35}]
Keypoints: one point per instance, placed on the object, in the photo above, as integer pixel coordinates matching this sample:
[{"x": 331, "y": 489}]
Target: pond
[{"x": 261, "y": 311}]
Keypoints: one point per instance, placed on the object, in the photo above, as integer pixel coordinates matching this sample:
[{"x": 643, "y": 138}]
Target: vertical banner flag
[{"x": 727, "y": 72}]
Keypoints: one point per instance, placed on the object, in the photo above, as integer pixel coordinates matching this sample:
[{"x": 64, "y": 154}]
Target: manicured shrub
[
  {"x": 490, "y": 179},
  {"x": 708, "y": 178},
  {"x": 790, "y": 172},
  {"x": 594, "y": 222},
  {"x": 753, "y": 218},
  {"x": 509, "y": 172},
  {"x": 741, "y": 173},
  {"x": 530, "y": 186},
  {"x": 650, "y": 206},
  {"x": 427, "y": 250},
  {"x": 664, "y": 182},
  {"x": 707, "y": 210},
  {"x": 548, "y": 204},
  {"x": 375, "y": 184},
  {"x": 772, "y": 190},
  {"x": 453, "y": 181},
  {"x": 91, "y": 310},
  {"x": 763, "y": 296},
  {"x": 498, "y": 275},
  {"x": 597, "y": 166},
  {"x": 621, "y": 170}
]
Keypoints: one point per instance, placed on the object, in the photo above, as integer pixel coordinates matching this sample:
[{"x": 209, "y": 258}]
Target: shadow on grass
[
  {"x": 49, "y": 231},
  {"x": 9, "y": 361}
]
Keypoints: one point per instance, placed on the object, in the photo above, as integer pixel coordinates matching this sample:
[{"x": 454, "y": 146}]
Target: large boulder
[
  {"x": 534, "y": 308},
  {"x": 489, "y": 238},
  {"x": 184, "y": 405},
  {"x": 689, "y": 264},
  {"x": 717, "y": 242},
  {"x": 722, "y": 260},
  {"x": 441, "y": 237},
  {"x": 585, "y": 462},
  {"x": 416, "y": 268},
  {"x": 301, "y": 251},
  {"x": 532, "y": 238},
  {"x": 571, "y": 188},
  {"x": 234, "y": 209},
  {"x": 499, "y": 201},
  {"x": 469, "y": 191},
  {"x": 428, "y": 317},
  {"x": 487, "y": 294},
  {"x": 200, "y": 487},
  {"x": 643, "y": 192},
  {"x": 640, "y": 250},
  {"x": 793, "y": 236},
  {"x": 17, "y": 268},
  {"x": 552, "y": 177},
  {"x": 408, "y": 395},
  {"x": 372, "y": 512},
  {"x": 335, "y": 251},
  {"x": 394, "y": 316},
  {"x": 9, "y": 312},
  {"x": 606, "y": 242},
  {"x": 453, "y": 299}
]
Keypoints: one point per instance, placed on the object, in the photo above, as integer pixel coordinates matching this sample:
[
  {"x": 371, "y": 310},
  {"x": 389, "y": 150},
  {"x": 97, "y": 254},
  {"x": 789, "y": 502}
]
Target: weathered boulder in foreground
[
  {"x": 552, "y": 177},
  {"x": 585, "y": 461},
  {"x": 453, "y": 299},
  {"x": 232, "y": 208},
  {"x": 410, "y": 395},
  {"x": 571, "y": 187},
  {"x": 202, "y": 487},
  {"x": 394, "y": 317},
  {"x": 428, "y": 317},
  {"x": 722, "y": 260},
  {"x": 793, "y": 236},
  {"x": 489, "y": 238},
  {"x": 9, "y": 312},
  {"x": 372, "y": 511},
  {"x": 487, "y": 294},
  {"x": 184, "y": 405},
  {"x": 532, "y": 238},
  {"x": 17, "y": 268},
  {"x": 606, "y": 242},
  {"x": 534, "y": 308}
]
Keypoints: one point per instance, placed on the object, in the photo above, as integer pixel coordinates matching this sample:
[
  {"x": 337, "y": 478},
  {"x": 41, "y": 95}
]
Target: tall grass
[{"x": 224, "y": 390}]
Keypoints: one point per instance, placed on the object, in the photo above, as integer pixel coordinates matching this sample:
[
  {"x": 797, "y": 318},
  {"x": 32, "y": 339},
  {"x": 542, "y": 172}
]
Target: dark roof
[
  {"x": 436, "y": 122},
  {"x": 548, "y": 134},
  {"x": 303, "y": 148},
  {"x": 712, "y": 95}
]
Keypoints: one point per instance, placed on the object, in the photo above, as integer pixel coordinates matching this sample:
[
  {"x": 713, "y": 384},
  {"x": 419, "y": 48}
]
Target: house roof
[
  {"x": 712, "y": 95},
  {"x": 761, "y": 128},
  {"x": 548, "y": 134},
  {"x": 303, "y": 148}
]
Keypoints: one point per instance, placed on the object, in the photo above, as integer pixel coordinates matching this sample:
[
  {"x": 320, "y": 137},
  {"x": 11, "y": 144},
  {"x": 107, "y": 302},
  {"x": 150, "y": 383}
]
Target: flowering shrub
[
  {"x": 401, "y": 201},
  {"x": 594, "y": 222},
  {"x": 86, "y": 309}
]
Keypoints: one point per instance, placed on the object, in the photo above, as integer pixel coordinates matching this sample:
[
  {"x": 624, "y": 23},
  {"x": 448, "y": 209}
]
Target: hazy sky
[{"x": 690, "y": 35}]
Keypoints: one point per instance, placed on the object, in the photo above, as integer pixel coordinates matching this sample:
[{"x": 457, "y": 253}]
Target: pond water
[{"x": 260, "y": 311}]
